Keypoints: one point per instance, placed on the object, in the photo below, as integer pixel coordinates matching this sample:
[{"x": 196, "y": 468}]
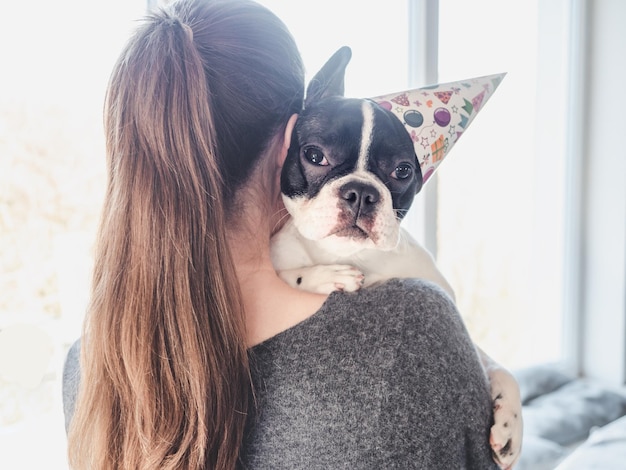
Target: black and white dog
[{"x": 350, "y": 176}]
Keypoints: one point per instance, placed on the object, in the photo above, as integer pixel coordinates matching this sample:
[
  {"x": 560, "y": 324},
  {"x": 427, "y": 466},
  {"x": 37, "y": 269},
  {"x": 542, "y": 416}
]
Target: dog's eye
[
  {"x": 402, "y": 171},
  {"x": 315, "y": 156}
]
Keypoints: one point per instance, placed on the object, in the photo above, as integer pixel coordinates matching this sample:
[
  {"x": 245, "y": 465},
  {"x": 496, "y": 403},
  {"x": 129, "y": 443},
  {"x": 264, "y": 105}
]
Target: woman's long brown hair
[{"x": 165, "y": 381}]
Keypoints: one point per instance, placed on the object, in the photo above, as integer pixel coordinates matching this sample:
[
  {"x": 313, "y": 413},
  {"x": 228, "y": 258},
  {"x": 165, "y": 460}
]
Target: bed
[{"x": 571, "y": 423}]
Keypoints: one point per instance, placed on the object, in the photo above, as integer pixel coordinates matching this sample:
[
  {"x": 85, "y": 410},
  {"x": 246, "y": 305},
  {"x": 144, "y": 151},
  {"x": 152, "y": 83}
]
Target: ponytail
[{"x": 164, "y": 372}]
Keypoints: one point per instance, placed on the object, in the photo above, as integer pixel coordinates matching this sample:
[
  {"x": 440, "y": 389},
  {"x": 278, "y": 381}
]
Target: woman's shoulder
[
  {"x": 402, "y": 306},
  {"x": 395, "y": 292},
  {"x": 401, "y": 300},
  {"x": 388, "y": 309}
]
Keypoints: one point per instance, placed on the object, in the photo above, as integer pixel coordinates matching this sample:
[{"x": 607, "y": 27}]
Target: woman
[{"x": 195, "y": 354}]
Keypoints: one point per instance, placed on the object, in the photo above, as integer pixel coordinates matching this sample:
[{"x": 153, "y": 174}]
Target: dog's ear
[{"x": 329, "y": 80}]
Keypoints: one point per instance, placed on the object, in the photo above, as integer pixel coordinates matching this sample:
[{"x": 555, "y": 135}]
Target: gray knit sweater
[{"x": 385, "y": 378}]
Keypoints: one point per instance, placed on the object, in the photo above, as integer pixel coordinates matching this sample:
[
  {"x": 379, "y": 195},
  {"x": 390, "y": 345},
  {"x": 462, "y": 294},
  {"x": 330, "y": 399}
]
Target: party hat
[{"x": 437, "y": 115}]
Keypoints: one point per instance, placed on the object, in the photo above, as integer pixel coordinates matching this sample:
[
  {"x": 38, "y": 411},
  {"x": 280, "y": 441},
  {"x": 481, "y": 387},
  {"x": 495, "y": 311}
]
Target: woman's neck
[{"x": 271, "y": 305}]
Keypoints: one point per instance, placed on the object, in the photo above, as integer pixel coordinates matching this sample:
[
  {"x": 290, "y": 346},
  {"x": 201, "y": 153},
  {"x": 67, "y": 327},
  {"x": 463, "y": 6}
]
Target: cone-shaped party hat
[{"x": 437, "y": 115}]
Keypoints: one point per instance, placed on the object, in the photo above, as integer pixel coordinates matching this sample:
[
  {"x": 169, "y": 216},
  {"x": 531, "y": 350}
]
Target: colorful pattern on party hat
[{"x": 437, "y": 115}]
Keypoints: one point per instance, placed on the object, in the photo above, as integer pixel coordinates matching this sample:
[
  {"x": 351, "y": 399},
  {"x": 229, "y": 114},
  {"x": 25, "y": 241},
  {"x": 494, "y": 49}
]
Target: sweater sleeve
[
  {"x": 385, "y": 377},
  {"x": 71, "y": 381}
]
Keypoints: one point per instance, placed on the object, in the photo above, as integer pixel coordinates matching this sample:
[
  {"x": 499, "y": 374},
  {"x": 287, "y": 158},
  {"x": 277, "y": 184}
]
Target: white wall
[{"x": 604, "y": 215}]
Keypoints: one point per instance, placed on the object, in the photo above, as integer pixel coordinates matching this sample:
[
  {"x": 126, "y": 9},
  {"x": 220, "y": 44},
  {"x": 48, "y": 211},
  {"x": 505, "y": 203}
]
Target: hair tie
[{"x": 176, "y": 22}]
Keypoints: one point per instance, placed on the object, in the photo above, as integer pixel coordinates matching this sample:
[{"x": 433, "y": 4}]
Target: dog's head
[{"x": 351, "y": 172}]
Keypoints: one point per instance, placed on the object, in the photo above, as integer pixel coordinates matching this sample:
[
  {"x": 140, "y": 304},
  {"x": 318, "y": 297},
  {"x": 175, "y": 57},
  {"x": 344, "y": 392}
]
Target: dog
[{"x": 350, "y": 176}]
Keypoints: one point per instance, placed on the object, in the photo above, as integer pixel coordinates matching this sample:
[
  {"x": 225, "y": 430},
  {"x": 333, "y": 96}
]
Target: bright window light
[{"x": 501, "y": 194}]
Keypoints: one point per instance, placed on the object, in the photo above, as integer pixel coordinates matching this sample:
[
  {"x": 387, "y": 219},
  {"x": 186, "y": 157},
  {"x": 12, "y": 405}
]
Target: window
[
  {"x": 377, "y": 34},
  {"x": 56, "y": 59},
  {"x": 501, "y": 195}
]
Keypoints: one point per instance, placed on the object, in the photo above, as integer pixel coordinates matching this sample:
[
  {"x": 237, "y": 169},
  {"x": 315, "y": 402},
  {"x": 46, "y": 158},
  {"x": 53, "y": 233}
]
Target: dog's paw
[
  {"x": 324, "y": 279},
  {"x": 506, "y": 432}
]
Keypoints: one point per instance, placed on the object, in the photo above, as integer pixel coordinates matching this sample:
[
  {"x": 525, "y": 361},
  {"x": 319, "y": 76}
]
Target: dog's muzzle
[{"x": 360, "y": 199}]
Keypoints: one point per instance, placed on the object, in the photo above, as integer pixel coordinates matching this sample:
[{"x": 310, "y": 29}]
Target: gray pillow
[
  {"x": 566, "y": 415},
  {"x": 540, "y": 454},
  {"x": 539, "y": 380},
  {"x": 605, "y": 449}
]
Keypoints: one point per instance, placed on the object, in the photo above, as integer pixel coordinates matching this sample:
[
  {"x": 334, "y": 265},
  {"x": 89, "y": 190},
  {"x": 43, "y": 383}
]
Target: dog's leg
[
  {"x": 506, "y": 432},
  {"x": 324, "y": 279}
]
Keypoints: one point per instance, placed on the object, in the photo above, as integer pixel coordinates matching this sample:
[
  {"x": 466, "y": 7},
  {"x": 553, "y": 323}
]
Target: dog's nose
[{"x": 361, "y": 198}]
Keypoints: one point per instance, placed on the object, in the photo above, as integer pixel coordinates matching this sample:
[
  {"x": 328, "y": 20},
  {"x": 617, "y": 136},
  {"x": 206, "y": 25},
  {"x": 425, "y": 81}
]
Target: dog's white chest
[{"x": 293, "y": 255}]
